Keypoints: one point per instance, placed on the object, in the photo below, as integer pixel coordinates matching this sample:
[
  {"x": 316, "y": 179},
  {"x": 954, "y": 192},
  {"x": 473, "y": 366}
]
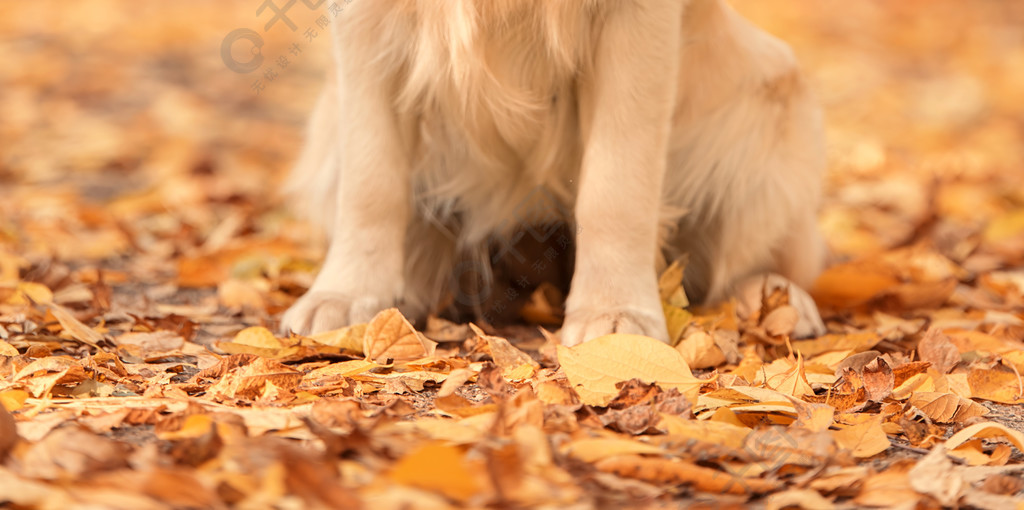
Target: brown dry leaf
[
  {"x": 936, "y": 476},
  {"x": 596, "y": 366},
  {"x": 41, "y": 376},
  {"x": 864, "y": 438},
  {"x": 76, "y": 328},
  {"x": 787, "y": 377},
  {"x": 8, "y": 432},
  {"x": 676, "y": 472},
  {"x": 390, "y": 336},
  {"x": 889, "y": 489},
  {"x": 946, "y": 407},
  {"x": 710, "y": 431},
  {"x": 152, "y": 344},
  {"x": 72, "y": 451},
  {"x": 252, "y": 380},
  {"x": 745, "y": 399},
  {"x": 515, "y": 364},
  {"x": 937, "y": 349}
]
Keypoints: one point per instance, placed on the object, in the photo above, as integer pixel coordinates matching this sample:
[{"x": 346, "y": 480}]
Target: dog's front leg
[
  {"x": 363, "y": 270},
  {"x": 626, "y": 106}
]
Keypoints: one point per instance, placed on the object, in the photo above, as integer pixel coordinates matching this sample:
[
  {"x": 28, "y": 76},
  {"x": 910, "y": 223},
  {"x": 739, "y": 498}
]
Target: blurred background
[{"x": 127, "y": 143}]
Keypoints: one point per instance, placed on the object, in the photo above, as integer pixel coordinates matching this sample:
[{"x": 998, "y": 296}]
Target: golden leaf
[
  {"x": 441, "y": 468},
  {"x": 390, "y": 336},
  {"x": 864, "y": 439},
  {"x": 594, "y": 367}
]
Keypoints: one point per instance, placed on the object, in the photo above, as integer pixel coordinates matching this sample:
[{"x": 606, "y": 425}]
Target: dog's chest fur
[{"x": 488, "y": 96}]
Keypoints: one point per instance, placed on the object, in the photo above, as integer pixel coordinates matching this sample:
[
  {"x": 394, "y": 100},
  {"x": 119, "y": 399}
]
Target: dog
[{"x": 656, "y": 128}]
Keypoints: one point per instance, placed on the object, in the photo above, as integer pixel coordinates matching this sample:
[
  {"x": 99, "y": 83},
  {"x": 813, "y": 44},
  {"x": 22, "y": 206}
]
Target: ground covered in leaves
[{"x": 145, "y": 258}]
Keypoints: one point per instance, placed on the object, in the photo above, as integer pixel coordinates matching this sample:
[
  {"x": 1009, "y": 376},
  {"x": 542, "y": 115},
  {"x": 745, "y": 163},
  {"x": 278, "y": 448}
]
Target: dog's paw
[
  {"x": 586, "y": 325},
  {"x": 317, "y": 311},
  {"x": 810, "y": 324},
  {"x": 750, "y": 293}
]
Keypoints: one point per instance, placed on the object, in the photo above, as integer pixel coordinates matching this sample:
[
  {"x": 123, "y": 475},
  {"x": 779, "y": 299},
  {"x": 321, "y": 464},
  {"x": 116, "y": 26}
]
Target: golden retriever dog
[{"x": 655, "y": 128}]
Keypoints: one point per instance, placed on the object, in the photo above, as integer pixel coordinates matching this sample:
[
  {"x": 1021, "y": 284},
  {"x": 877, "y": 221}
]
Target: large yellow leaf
[
  {"x": 594, "y": 367},
  {"x": 593, "y": 450},
  {"x": 864, "y": 439},
  {"x": 441, "y": 468}
]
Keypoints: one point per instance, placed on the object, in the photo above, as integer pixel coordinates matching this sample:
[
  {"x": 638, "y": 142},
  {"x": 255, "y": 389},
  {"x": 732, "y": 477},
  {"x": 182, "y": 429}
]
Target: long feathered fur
[{"x": 487, "y": 101}]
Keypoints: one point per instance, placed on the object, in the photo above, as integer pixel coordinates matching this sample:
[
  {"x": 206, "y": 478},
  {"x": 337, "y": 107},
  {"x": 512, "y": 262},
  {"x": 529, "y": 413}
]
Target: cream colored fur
[{"x": 664, "y": 126}]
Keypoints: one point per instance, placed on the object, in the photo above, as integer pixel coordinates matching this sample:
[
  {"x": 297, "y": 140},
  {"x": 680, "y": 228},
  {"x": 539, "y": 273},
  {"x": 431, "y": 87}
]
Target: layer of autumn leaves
[{"x": 142, "y": 269}]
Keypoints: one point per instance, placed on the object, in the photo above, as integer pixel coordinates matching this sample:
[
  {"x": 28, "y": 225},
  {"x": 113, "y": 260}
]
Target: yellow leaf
[
  {"x": 439, "y": 468},
  {"x": 196, "y": 425},
  {"x": 7, "y": 349},
  {"x": 30, "y": 292},
  {"x": 998, "y": 384},
  {"x": 593, "y": 450},
  {"x": 670, "y": 284},
  {"x": 852, "y": 284},
  {"x": 12, "y": 400},
  {"x": 390, "y": 336},
  {"x": 864, "y": 439},
  {"x": 594, "y": 367},
  {"x": 677, "y": 319},
  {"x": 10, "y": 266},
  {"x": 257, "y": 337},
  {"x": 349, "y": 338},
  {"x": 1006, "y": 226}
]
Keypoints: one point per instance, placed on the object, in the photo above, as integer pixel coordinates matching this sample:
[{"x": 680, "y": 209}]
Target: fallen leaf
[
  {"x": 596, "y": 366},
  {"x": 441, "y": 468},
  {"x": 863, "y": 439},
  {"x": 390, "y": 336}
]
